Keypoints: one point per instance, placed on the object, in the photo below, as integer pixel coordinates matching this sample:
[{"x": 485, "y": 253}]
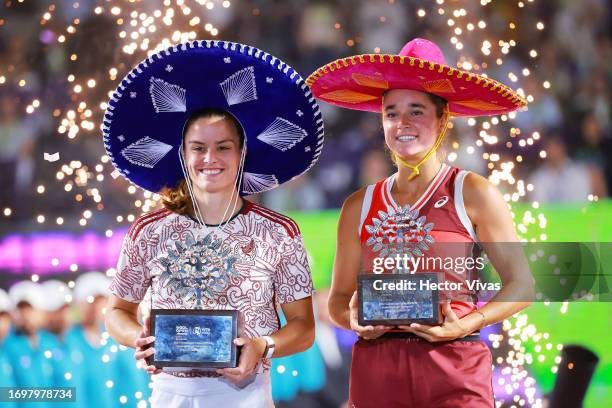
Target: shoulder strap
[
  {"x": 365, "y": 206},
  {"x": 460, "y": 206}
]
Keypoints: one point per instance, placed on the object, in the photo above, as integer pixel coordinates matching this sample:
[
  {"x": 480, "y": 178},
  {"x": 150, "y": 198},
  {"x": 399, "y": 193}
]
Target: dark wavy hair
[{"x": 439, "y": 102}]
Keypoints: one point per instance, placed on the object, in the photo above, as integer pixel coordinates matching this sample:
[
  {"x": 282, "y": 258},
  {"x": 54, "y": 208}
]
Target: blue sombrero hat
[{"x": 143, "y": 123}]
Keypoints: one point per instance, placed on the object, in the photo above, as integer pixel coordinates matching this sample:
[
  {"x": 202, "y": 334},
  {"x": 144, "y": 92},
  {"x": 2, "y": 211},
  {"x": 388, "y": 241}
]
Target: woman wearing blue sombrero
[{"x": 205, "y": 123}]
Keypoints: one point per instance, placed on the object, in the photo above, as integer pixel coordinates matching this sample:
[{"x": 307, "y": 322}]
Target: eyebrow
[
  {"x": 412, "y": 105},
  {"x": 219, "y": 142}
]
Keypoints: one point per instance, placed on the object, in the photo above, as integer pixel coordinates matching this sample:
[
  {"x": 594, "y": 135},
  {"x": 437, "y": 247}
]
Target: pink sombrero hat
[{"x": 359, "y": 82}]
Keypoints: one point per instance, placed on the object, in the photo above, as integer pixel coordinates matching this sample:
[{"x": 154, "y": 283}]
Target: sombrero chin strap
[
  {"x": 234, "y": 197},
  {"x": 415, "y": 168}
]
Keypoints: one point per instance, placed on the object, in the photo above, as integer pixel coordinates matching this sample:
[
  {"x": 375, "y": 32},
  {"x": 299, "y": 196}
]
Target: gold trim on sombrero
[
  {"x": 479, "y": 104},
  {"x": 369, "y": 81},
  {"x": 504, "y": 91},
  {"x": 348, "y": 96},
  {"x": 439, "y": 86}
]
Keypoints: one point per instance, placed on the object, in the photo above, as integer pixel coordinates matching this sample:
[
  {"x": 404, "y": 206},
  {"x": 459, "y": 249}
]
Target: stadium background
[{"x": 59, "y": 60}]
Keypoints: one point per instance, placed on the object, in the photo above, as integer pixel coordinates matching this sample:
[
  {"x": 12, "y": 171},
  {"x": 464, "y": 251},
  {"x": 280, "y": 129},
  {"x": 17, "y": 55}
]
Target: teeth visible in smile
[
  {"x": 406, "y": 138},
  {"x": 211, "y": 172}
]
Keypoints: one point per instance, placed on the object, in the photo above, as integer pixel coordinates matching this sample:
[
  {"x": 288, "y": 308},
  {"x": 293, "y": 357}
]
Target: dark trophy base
[
  {"x": 202, "y": 339},
  {"x": 397, "y": 299}
]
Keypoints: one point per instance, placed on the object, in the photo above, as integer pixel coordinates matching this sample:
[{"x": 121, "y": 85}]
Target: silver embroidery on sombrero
[
  {"x": 198, "y": 269},
  {"x": 282, "y": 134},
  {"x": 240, "y": 87},
  {"x": 167, "y": 97},
  {"x": 108, "y": 125},
  {"x": 146, "y": 152},
  {"x": 254, "y": 182},
  {"x": 399, "y": 231}
]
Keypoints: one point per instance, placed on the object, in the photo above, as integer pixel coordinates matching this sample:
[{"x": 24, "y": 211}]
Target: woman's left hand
[
  {"x": 451, "y": 329},
  {"x": 250, "y": 356}
]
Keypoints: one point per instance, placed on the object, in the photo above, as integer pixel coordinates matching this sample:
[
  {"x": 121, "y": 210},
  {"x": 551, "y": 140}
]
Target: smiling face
[
  {"x": 212, "y": 154},
  {"x": 410, "y": 122}
]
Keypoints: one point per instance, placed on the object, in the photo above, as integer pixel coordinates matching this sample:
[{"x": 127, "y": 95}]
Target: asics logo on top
[{"x": 441, "y": 202}]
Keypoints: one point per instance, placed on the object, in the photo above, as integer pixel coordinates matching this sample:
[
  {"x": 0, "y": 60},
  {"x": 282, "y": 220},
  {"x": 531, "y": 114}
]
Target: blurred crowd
[
  {"x": 52, "y": 335},
  {"x": 571, "y": 112}
]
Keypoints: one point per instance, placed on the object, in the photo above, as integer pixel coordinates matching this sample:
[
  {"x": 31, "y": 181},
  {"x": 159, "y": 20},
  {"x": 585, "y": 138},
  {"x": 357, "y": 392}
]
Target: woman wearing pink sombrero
[{"x": 426, "y": 205}]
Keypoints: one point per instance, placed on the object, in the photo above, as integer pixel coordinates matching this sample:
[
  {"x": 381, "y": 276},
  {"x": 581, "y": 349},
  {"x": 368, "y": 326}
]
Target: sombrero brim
[
  {"x": 359, "y": 82},
  {"x": 143, "y": 124}
]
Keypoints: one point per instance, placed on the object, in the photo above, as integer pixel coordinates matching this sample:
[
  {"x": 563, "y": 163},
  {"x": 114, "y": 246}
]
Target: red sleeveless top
[{"x": 438, "y": 219}]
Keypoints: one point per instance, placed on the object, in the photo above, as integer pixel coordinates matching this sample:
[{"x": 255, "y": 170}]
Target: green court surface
[{"x": 585, "y": 323}]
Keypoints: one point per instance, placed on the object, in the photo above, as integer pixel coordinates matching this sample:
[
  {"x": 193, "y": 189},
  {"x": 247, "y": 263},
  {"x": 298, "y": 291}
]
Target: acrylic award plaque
[
  {"x": 398, "y": 299},
  {"x": 194, "y": 338}
]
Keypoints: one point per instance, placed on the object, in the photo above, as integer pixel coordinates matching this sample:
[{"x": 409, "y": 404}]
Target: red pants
[{"x": 413, "y": 373}]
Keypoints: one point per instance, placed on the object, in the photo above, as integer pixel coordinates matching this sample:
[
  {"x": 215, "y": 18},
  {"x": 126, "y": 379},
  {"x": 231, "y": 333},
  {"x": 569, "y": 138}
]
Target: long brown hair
[{"x": 177, "y": 199}]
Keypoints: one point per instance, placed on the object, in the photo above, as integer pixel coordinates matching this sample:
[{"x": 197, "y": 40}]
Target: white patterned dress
[{"x": 270, "y": 268}]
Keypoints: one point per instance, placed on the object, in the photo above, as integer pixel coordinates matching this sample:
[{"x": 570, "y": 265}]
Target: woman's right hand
[
  {"x": 143, "y": 347},
  {"x": 365, "y": 332}
]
